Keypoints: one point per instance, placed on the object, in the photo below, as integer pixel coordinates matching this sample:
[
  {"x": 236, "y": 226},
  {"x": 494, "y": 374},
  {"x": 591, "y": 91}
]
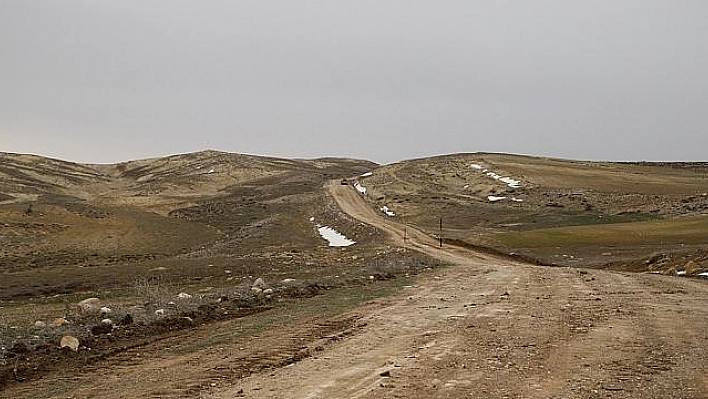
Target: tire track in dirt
[{"x": 490, "y": 327}]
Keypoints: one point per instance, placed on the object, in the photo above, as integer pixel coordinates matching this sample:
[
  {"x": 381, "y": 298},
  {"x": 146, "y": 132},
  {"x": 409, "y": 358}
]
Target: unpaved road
[
  {"x": 491, "y": 328},
  {"x": 480, "y": 328}
]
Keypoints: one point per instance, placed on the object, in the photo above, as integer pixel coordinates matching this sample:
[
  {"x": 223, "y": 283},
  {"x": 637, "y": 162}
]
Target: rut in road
[{"x": 489, "y": 327}]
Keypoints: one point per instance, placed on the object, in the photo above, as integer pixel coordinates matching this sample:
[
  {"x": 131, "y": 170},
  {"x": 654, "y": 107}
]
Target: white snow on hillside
[
  {"x": 360, "y": 188},
  {"x": 511, "y": 182},
  {"x": 335, "y": 238},
  {"x": 367, "y": 174},
  {"x": 494, "y": 198},
  {"x": 387, "y": 211}
]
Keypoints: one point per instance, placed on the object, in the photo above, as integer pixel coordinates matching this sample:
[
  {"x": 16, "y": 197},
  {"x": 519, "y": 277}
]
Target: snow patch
[
  {"x": 387, "y": 211},
  {"x": 681, "y": 273},
  {"x": 367, "y": 174},
  {"x": 312, "y": 219},
  {"x": 335, "y": 238},
  {"x": 360, "y": 188},
  {"x": 210, "y": 171},
  {"x": 511, "y": 182},
  {"x": 704, "y": 274},
  {"x": 494, "y": 198},
  {"x": 517, "y": 199}
]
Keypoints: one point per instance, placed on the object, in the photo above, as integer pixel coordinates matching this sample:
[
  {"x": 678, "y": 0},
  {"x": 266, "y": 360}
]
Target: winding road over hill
[
  {"x": 492, "y": 328},
  {"x": 483, "y": 327}
]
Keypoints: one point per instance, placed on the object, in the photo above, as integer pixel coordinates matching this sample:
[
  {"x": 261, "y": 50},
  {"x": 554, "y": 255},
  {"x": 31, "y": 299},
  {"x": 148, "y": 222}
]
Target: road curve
[
  {"x": 489, "y": 327},
  {"x": 353, "y": 203}
]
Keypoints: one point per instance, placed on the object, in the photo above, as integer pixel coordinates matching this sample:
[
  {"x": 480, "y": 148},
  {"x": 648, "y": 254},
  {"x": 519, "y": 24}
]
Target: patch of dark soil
[
  {"x": 493, "y": 251},
  {"x": 22, "y": 364},
  {"x": 86, "y": 210}
]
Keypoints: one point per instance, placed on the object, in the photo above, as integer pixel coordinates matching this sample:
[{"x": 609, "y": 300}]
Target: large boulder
[
  {"x": 70, "y": 342},
  {"x": 259, "y": 283},
  {"x": 58, "y": 322},
  {"x": 89, "y": 306}
]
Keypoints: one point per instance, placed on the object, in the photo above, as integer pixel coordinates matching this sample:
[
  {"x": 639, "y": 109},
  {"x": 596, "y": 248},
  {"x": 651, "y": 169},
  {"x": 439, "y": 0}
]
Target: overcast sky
[{"x": 106, "y": 81}]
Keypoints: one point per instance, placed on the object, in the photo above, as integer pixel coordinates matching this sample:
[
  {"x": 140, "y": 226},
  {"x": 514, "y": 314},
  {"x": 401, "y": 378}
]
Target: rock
[
  {"x": 256, "y": 290},
  {"x": 40, "y": 324},
  {"x": 386, "y": 373},
  {"x": 70, "y": 342},
  {"x": 126, "y": 320},
  {"x": 259, "y": 283},
  {"x": 105, "y": 311},
  {"x": 89, "y": 306},
  {"x": 59, "y": 322},
  {"x": 160, "y": 312},
  {"x": 692, "y": 268},
  {"x": 268, "y": 291},
  {"x": 107, "y": 322},
  {"x": 183, "y": 295},
  {"x": 288, "y": 281}
]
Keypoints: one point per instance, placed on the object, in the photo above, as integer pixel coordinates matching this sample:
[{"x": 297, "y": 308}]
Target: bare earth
[
  {"x": 490, "y": 328},
  {"x": 483, "y": 327}
]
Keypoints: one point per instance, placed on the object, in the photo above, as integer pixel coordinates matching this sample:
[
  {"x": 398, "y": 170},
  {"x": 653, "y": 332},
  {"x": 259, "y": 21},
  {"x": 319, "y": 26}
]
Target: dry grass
[{"x": 683, "y": 230}]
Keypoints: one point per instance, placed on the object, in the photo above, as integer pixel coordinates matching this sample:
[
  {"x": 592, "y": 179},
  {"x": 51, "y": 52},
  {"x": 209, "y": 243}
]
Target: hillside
[
  {"x": 641, "y": 216},
  {"x": 68, "y": 227},
  {"x": 227, "y": 275}
]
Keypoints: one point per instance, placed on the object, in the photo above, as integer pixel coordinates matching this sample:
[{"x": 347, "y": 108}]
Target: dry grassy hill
[
  {"x": 217, "y": 260},
  {"x": 68, "y": 227},
  {"x": 641, "y": 216}
]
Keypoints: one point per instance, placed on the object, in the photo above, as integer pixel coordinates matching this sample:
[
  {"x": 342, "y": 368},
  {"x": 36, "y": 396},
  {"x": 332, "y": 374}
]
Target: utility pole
[
  {"x": 440, "y": 236},
  {"x": 405, "y": 232}
]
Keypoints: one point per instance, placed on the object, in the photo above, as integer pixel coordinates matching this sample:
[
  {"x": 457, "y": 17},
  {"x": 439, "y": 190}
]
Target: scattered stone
[
  {"x": 160, "y": 312},
  {"x": 108, "y": 322},
  {"x": 256, "y": 290},
  {"x": 59, "y": 322},
  {"x": 89, "y": 306},
  {"x": 183, "y": 295},
  {"x": 259, "y": 283},
  {"x": 268, "y": 291},
  {"x": 158, "y": 269},
  {"x": 40, "y": 324},
  {"x": 105, "y": 311},
  {"x": 288, "y": 281},
  {"x": 70, "y": 342}
]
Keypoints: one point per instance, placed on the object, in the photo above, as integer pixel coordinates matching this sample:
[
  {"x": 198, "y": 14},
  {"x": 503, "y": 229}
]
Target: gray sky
[{"x": 105, "y": 81}]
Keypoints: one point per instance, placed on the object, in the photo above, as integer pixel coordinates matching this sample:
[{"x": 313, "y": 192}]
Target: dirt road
[
  {"x": 480, "y": 328},
  {"x": 492, "y": 328}
]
